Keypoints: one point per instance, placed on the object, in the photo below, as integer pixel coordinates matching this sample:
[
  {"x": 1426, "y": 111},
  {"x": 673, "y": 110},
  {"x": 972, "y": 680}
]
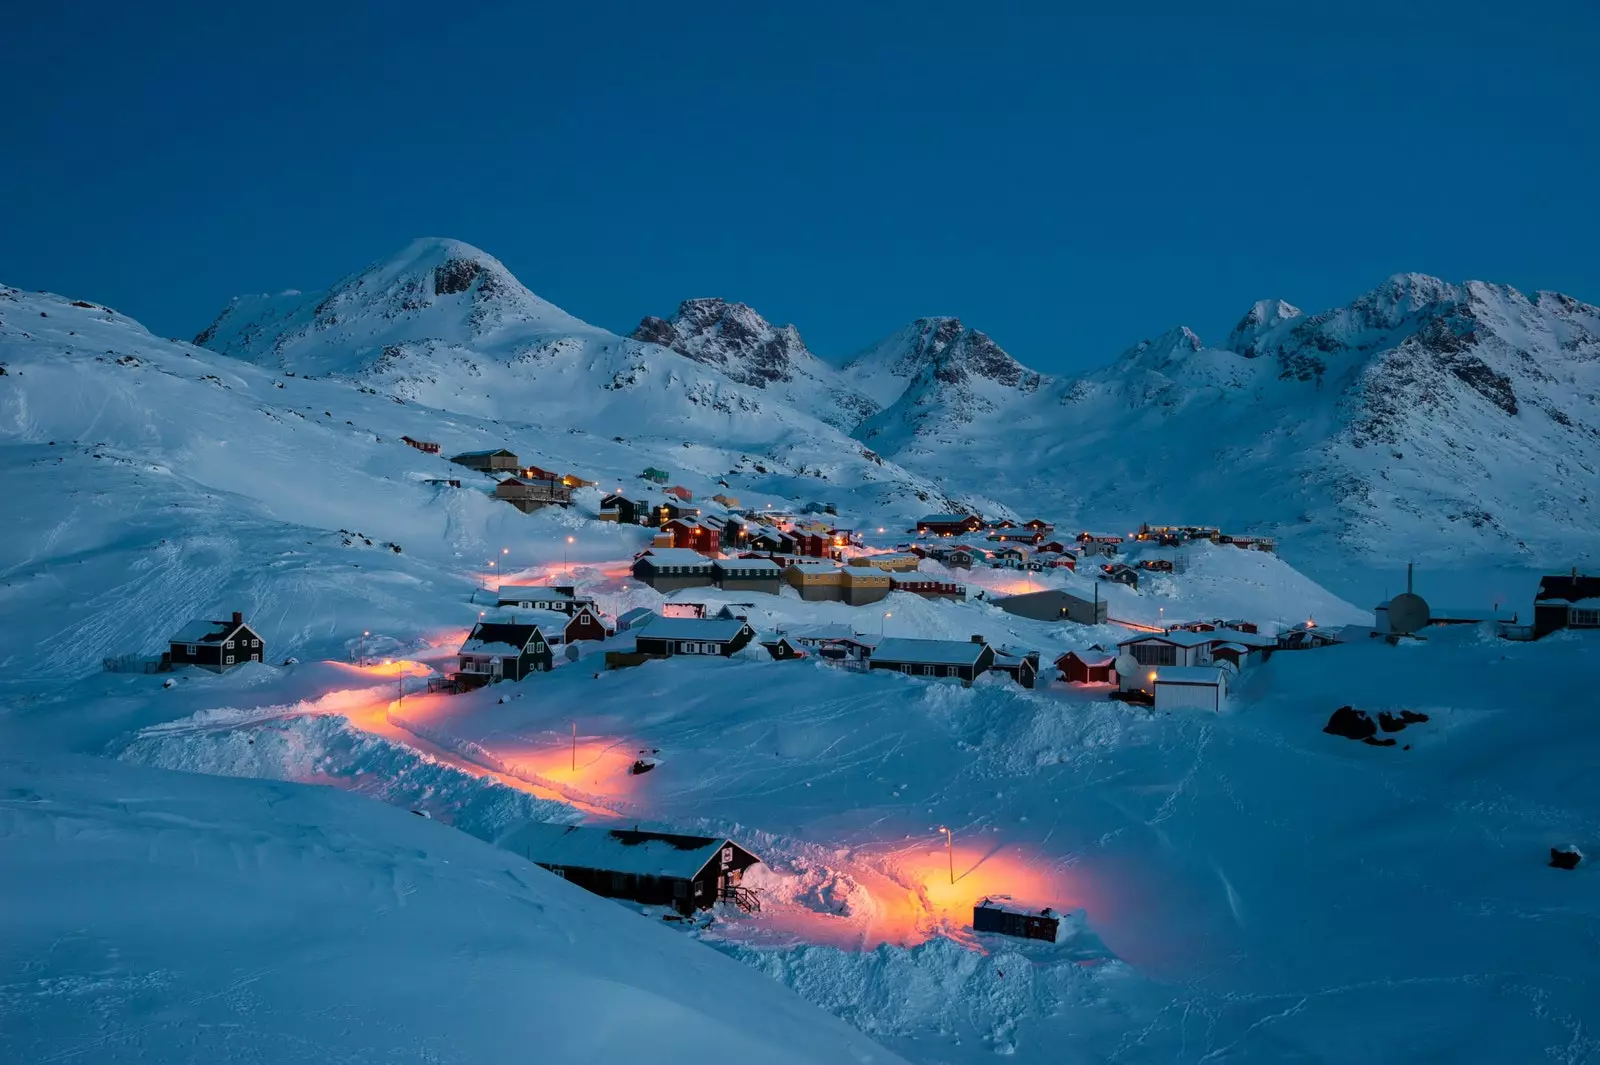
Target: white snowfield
[{"x": 1238, "y": 886}]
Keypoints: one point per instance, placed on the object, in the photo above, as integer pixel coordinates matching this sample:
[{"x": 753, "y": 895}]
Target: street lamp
[
  {"x": 361, "y": 658},
  {"x": 565, "y": 564},
  {"x": 886, "y": 616},
  {"x": 950, "y": 850}
]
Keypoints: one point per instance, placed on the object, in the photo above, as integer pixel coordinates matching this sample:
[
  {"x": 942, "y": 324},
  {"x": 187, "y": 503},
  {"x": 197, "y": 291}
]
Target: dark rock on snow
[
  {"x": 1351, "y": 723},
  {"x": 1565, "y": 859},
  {"x": 1395, "y": 722}
]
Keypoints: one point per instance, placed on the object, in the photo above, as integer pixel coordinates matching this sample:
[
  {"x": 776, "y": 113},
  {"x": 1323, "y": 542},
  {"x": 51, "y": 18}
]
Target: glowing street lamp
[
  {"x": 886, "y": 616},
  {"x": 361, "y": 657},
  {"x": 950, "y": 851}
]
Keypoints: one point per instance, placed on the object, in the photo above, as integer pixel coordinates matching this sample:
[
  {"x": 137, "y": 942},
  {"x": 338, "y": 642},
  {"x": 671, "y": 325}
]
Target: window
[
  {"x": 255, "y": 643},
  {"x": 1155, "y": 654},
  {"x": 680, "y": 889},
  {"x": 191, "y": 649},
  {"x": 927, "y": 671},
  {"x": 1586, "y": 618},
  {"x": 908, "y": 668},
  {"x": 538, "y": 646},
  {"x": 254, "y": 657},
  {"x": 229, "y": 645},
  {"x": 228, "y": 661}
]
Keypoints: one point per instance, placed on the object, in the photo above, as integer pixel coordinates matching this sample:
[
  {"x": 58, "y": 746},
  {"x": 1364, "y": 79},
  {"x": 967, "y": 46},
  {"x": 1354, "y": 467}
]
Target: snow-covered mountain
[
  {"x": 933, "y": 377},
  {"x": 447, "y": 325},
  {"x": 750, "y": 350}
]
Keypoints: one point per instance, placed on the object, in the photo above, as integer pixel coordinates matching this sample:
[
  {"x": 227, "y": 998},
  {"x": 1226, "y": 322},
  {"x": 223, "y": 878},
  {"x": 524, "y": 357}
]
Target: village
[{"x": 733, "y": 582}]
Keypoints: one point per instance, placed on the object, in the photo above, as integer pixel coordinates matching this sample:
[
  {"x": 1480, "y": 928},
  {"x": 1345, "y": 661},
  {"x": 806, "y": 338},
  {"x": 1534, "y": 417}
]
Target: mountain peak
[
  {"x": 1263, "y": 317},
  {"x": 731, "y": 337}
]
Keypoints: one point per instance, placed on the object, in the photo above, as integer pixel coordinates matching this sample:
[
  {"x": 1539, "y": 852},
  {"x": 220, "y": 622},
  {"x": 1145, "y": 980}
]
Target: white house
[
  {"x": 1191, "y": 687},
  {"x": 1176, "y": 648}
]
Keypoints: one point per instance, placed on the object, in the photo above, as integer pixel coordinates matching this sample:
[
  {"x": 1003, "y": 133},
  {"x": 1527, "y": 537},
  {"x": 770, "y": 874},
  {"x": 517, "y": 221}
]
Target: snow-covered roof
[
  {"x": 746, "y": 565},
  {"x": 718, "y": 630},
  {"x": 941, "y": 519},
  {"x": 1188, "y": 675},
  {"x": 550, "y": 622},
  {"x": 633, "y": 617},
  {"x": 1177, "y": 637},
  {"x": 498, "y": 638},
  {"x": 1093, "y": 658},
  {"x": 1250, "y": 640},
  {"x": 835, "y": 631},
  {"x": 866, "y": 571},
  {"x": 1238, "y": 648},
  {"x": 205, "y": 632},
  {"x": 531, "y": 593},
  {"x": 490, "y": 647},
  {"x": 932, "y": 652},
  {"x": 1585, "y": 604},
  {"x": 613, "y": 850},
  {"x": 677, "y": 556}
]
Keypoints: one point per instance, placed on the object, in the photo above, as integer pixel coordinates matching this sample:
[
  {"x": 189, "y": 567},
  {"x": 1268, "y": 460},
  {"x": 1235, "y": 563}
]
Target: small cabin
[
  {"x": 688, "y": 873},
  {"x": 1003, "y": 915},
  {"x": 488, "y": 461},
  {"x": 934, "y": 658},
  {"x": 637, "y": 618},
  {"x": 426, "y": 446},
  {"x": 216, "y": 645},
  {"x": 1020, "y": 666},
  {"x": 560, "y": 598},
  {"x": 654, "y": 475},
  {"x": 1093, "y": 666},
  {"x": 1566, "y": 601},
  {"x": 1191, "y": 687}
]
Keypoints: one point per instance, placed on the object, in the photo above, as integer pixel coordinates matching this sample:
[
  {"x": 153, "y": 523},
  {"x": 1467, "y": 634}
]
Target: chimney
[
  {"x": 238, "y": 618},
  {"x": 979, "y": 639}
]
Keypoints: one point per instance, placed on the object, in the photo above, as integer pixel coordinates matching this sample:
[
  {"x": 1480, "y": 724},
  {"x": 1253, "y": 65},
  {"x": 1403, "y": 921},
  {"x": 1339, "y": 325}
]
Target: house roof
[
  {"x": 613, "y": 850},
  {"x": 1567, "y": 586},
  {"x": 1188, "y": 675},
  {"x": 943, "y": 519},
  {"x": 634, "y": 616},
  {"x": 1177, "y": 637},
  {"x": 1586, "y": 604},
  {"x": 718, "y": 630},
  {"x": 835, "y": 631},
  {"x": 675, "y": 556},
  {"x": 1055, "y": 594},
  {"x": 549, "y": 622},
  {"x": 1091, "y": 658},
  {"x": 865, "y": 571},
  {"x": 1231, "y": 646},
  {"x": 813, "y": 566},
  {"x": 746, "y": 565},
  {"x": 931, "y": 652},
  {"x": 206, "y": 631},
  {"x": 536, "y": 593},
  {"x": 489, "y": 637},
  {"x": 486, "y": 454},
  {"x": 1249, "y": 640}
]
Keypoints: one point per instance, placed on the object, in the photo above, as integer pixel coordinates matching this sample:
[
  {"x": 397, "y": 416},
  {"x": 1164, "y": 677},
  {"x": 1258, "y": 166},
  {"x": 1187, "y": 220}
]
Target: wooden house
[
  {"x": 572, "y": 480},
  {"x": 927, "y": 587},
  {"x": 1566, "y": 601},
  {"x": 948, "y": 524},
  {"x": 1055, "y": 547},
  {"x": 560, "y": 598},
  {"x": 1096, "y": 549},
  {"x": 687, "y": 873},
  {"x": 960, "y": 558},
  {"x": 934, "y": 658},
  {"x": 1017, "y": 536},
  {"x": 1002, "y": 523},
  {"x": 585, "y": 624},
  {"x": 1120, "y": 574},
  {"x": 693, "y": 535},
  {"x": 539, "y": 473},
  {"x": 782, "y": 648},
  {"x": 723, "y": 499},
  {"x": 900, "y": 562},
  {"x": 529, "y": 496},
  {"x": 654, "y": 475},
  {"x": 497, "y": 650},
  {"x": 816, "y": 581},
  {"x": 668, "y": 568},
  {"x": 814, "y": 544},
  {"x": 1176, "y": 648},
  {"x": 629, "y": 510},
  {"x": 747, "y": 575},
  {"x": 1305, "y": 636},
  {"x": 860, "y": 585},
  {"x": 668, "y": 509},
  {"x": 694, "y": 636},
  {"x": 1039, "y": 525},
  {"x": 836, "y": 644},
  {"x": 216, "y": 645},
  {"x": 488, "y": 461},
  {"x": 1011, "y": 553},
  {"x": 1021, "y": 666},
  {"x": 1055, "y": 605},
  {"x": 1156, "y": 565},
  {"x": 427, "y": 446},
  {"x": 680, "y": 492},
  {"x": 1093, "y": 666}
]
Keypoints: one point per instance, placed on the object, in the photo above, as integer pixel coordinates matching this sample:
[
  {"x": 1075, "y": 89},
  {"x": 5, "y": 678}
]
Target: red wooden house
[
  {"x": 813, "y": 545},
  {"x": 1094, "y": 666},
  {"x": 680, "y": 491},
  {"x": 694, "y": 536}
]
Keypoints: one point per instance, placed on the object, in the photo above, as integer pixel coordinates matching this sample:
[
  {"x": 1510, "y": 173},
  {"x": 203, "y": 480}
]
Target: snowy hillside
[
  {"x": 748, "y": 349},
  {"x": 446, "y": 325},
  {"x": 1423, "y": 419}
]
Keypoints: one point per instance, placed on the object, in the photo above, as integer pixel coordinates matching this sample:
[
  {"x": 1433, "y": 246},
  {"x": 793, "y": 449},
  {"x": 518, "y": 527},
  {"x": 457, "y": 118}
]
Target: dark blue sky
[{"x": 1067, "y": 182}]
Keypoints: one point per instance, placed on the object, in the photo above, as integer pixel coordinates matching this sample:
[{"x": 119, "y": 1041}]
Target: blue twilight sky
[{"x": 1068, "y": 178}]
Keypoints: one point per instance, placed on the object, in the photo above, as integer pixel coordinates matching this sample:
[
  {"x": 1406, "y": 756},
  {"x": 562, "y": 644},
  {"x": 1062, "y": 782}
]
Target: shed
[
  {"x": 488, "y": 461},
  {"x": 1093, "y": 666},
  {"x": 1191, "y": 687},
  {"x": 687, "y": 873},
  {"x": 1003, "y": 915},
  {"x": 637, "y": 618}
]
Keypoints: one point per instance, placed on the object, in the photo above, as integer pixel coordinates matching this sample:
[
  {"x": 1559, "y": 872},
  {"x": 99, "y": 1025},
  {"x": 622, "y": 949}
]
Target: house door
[{"x": 495, "y": 669}]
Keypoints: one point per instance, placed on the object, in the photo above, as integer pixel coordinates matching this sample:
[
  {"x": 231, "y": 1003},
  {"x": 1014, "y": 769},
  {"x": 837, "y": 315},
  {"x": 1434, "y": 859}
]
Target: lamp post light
[
  {"x": 565, "y": 564},
  {"x": 886, "y": 616},
  {"x": 361, "y": 657},
  {"x": 950, "y": 851}
]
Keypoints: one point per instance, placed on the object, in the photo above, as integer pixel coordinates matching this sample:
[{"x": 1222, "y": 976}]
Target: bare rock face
[
  {"x": 731, "y": 337},
  {"x": 454, "y": 275},
  {"x": 1351, "y": 723},
  {"x": 1565, "y": 858}
]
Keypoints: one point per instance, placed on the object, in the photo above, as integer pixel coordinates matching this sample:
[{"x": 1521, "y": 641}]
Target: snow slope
[{"x": 277, "y": 922}]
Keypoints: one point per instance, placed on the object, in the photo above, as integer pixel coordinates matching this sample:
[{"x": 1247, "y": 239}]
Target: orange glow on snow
[{"x": 389, "y": 667}]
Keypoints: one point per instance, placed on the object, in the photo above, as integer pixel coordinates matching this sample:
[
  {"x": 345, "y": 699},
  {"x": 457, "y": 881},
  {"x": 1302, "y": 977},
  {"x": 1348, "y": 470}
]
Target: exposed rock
[
  {"x": 1396, "y": 722},
  {"x": 454, "y": 275},
  {"x": 1565, "y": 858},
  {"x": 1376, "y": 742},
  {"x": 1352, "y": 724}
]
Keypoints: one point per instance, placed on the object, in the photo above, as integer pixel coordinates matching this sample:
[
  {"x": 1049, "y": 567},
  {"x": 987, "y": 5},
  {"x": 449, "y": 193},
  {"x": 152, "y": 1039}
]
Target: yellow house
[
  {"x": 816, "y": 580},
  {"x": 864, "y": 584},
  {"x": 726, "y": 500},
  {"x": 901, "y": 563}
]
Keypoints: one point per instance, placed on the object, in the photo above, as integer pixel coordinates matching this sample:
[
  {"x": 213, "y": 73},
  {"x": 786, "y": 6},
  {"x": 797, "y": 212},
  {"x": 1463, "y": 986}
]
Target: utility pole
[
  {"x": 361, "y": 656},
  {"x": 950, "y": 850}
]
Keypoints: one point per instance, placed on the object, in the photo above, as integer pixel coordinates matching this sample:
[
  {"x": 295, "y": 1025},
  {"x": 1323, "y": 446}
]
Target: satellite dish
[
  {"x": 1408, "y": 612},
  {"x": 1127, "y": 666},
  {"x": 573, "y": 653}
]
